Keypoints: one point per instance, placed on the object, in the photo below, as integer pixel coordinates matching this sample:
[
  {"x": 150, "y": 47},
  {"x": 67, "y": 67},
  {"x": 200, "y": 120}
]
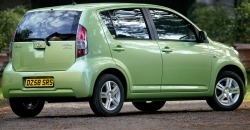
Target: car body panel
[
  {"x": 77, "y": 81},
  {"x": 60, "y": 55},
  {"x": 142, "y": 59},
  {"x": 223, "y": 56},
  {"x": 188, "y": 61}
]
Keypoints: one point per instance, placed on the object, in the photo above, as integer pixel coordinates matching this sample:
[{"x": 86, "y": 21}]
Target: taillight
[{"x": 81, "y": 42}]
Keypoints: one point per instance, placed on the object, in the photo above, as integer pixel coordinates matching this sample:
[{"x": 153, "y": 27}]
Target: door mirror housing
[{"x": 202, "y": 36}]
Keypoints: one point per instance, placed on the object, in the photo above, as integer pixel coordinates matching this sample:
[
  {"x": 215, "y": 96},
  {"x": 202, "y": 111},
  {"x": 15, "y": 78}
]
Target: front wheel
[
  {"x": 149, "y": 106},
  {"x": 26, "y": 107},
  {"x": 228, "y": 93},
  {"x": 108, "y": 96}
]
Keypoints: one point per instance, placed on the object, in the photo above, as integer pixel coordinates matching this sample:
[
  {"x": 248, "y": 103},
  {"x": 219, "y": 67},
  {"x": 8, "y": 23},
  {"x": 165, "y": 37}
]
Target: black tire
[
  {"x": 149, "y": 106},
  {"x": 228, "y": 93},
  {"x": 26, "y": 107},
  {"x": 111, "y": 101}
]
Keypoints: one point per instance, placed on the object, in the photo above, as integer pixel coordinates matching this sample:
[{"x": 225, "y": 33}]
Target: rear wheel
[
  {"x": 228, "y": 93},
  {"x": 149, "y": 106},
  {"x": 26, "y": 107},
  {"x": 108, "y": 96}
]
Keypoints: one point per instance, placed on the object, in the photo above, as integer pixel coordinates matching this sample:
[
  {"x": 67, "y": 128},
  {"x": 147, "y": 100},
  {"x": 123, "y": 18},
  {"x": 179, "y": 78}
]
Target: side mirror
[{"x": 202, "y": 36}]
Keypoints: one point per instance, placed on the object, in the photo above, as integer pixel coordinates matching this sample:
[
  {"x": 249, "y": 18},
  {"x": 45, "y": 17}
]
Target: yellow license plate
[{"x": 39, "y": 82}]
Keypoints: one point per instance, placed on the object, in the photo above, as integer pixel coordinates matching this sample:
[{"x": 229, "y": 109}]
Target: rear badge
[
  {"x": 39, "y": 45},
  {"x": 67, "y": 46}
]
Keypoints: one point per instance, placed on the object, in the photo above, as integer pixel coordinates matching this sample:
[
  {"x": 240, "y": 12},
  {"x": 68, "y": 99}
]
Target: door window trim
[
  {"x": 194, "y": 30},
  {"x": 149, "y": 27}
]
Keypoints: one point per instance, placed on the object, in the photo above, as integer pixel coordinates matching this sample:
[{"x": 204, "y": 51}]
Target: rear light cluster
[{"x": 81, "y": 42}]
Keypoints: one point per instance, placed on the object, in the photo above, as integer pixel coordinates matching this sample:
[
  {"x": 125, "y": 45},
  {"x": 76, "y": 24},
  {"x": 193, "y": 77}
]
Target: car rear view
[{"x": 44, "y": 54}]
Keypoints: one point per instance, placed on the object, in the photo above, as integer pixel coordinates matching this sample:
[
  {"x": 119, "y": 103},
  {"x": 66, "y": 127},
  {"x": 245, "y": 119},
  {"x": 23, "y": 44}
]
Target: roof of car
[{"x": 93, "y": 6}]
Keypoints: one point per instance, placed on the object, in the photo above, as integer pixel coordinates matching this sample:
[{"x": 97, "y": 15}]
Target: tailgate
[
  {"x": 46, "y": 41},
  {"x": 28, "y": 56}
]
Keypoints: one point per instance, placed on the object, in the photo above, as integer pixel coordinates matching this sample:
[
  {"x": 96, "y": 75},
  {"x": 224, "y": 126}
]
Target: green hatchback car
[{"x": 111, "y": 53}]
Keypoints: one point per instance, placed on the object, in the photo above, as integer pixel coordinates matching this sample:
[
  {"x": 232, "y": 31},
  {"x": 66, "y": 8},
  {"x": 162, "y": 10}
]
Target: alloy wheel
[
  {"x": 110, "y": 95},
  {"x": 227, "y": 91}
]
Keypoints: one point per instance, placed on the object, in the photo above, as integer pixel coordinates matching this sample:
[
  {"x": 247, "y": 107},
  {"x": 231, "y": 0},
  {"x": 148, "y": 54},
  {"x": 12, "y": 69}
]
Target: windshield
[{"x": 51, "y": 25}]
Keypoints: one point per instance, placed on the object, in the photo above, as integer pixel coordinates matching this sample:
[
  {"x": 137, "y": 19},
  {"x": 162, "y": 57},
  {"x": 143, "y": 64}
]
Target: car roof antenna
[{"x": 73, "y": 2}]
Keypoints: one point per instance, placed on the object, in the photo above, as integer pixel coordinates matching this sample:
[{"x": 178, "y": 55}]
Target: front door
[{"x": 186, "y": 62}]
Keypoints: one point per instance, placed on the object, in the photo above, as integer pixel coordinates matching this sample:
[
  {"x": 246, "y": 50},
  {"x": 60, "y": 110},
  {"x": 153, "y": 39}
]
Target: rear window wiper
[
  {"x": 62, "y": 36},
  {"x": 56, "y": 34},
  {"x": 43, "y": 39}
]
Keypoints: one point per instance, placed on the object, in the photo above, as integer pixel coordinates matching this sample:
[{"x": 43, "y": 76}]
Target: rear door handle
[
  {"x": 118, "y": 48},
  {"x": 166, "y": 49}
]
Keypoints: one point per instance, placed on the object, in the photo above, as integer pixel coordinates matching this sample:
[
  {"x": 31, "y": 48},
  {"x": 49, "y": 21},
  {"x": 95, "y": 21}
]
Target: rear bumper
[{"x": 70, "y": 83}]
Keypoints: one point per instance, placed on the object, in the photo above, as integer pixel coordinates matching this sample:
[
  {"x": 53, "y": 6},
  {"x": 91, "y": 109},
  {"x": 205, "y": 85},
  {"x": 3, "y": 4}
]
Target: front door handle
[
  {"x": 118, "y": 48},
  {"x": 166, "y": 49}
]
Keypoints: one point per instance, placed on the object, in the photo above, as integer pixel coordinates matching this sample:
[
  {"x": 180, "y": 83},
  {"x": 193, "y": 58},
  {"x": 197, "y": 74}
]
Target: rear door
[
  {"x": 133, "y": 49},
  {"x": 45, "y": 41}
]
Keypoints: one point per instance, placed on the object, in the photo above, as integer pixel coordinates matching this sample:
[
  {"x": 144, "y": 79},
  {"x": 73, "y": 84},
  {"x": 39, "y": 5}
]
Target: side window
[
  {"x": 171, "y": 26},
  {"x": 126, "y": 23},
  {"x": 107, "y": 20}
]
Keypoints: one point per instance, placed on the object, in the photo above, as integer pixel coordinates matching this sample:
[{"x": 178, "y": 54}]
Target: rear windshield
[{"x": 49, "y": 25}]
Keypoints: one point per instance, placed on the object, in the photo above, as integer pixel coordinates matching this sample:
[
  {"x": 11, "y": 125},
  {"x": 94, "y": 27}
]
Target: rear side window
[
  {"x": 52, "y": 25},
  {"x": 126, "y": 23}
]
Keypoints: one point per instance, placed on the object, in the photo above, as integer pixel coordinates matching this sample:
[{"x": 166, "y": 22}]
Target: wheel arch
[
  {"x": 118, "y": 74},
  {"x": 234, "y": 69}
]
